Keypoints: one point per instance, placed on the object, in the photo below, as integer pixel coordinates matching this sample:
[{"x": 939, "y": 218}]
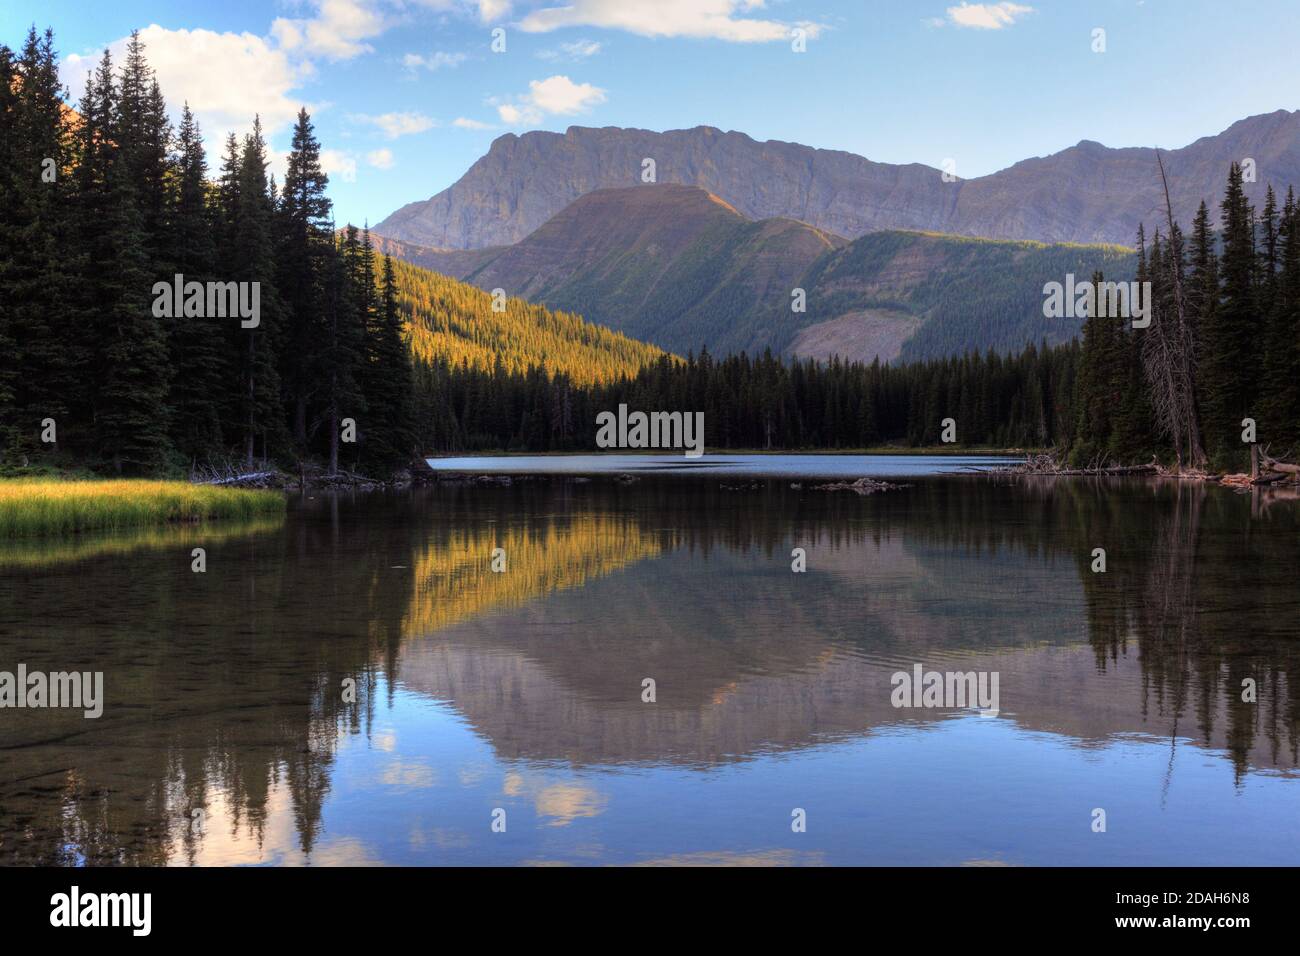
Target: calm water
[
  {"x": 522, "y": 690},
  {"x": 721, "y": 466}
]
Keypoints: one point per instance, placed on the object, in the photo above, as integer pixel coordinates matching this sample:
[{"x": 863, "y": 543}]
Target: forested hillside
[
  {"x": 454, "y": 321},
  {"x": 963, "y": 294}
]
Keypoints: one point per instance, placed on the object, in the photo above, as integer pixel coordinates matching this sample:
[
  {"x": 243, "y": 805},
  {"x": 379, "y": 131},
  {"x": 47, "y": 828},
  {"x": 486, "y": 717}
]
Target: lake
[
  {"x": 722, "y": 466},
  {"x": 357, "y": 685}
]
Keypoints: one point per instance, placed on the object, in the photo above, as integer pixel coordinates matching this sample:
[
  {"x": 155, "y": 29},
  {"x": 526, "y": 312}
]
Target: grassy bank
[{"x": 30, "y": 506}]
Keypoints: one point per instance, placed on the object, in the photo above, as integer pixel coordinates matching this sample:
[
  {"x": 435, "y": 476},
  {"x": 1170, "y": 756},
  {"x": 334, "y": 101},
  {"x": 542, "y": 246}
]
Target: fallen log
[{"x": 1270, "y": 479}]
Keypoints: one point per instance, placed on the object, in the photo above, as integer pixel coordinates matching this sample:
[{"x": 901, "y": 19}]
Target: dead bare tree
[{"x": 1168, "y": 356}]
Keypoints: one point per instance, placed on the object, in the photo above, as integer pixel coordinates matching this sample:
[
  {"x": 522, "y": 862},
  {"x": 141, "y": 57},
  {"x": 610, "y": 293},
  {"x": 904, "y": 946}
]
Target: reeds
[{"x": 31, "y": 506}]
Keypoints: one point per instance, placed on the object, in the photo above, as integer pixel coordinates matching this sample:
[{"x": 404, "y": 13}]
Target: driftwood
[
  {"x": 1047, "y": 464},
  {"x": 1268, "y": 463},
  {"x": 1271, "y": 471}
]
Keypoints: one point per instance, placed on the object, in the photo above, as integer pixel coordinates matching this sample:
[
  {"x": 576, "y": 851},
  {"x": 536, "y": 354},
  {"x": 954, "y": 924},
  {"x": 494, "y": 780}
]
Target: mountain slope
[
  {"x": 661, "y": 262},
  {"x": 452, "y": 321},
  {"x": 676, "y": 266},
  {"x": 1087, "y": 193},
  {"x": 937, "y": 295}
]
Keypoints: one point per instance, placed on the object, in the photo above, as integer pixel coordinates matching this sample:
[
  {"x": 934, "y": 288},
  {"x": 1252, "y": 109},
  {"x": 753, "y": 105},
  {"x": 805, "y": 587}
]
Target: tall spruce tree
[
  {"x": 344, "y": 342},
  {"x": 130, "y": 373},
  {"x": 252, "y": 259},
  {"x": 305, "y": 243},
  {"x": 198, "y": 344},
  {"x": 9, "y": 370},
  {"x": 387, "y": 383},
  {"x": 38, "y": 291},
  {"x": 1232, "y": 337}
]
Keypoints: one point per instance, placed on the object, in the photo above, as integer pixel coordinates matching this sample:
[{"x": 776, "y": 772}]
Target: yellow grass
[{"x": 31, "y": 506}]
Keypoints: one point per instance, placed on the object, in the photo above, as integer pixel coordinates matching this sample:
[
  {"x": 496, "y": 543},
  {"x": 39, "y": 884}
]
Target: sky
[{"x": 407, "y": 94}]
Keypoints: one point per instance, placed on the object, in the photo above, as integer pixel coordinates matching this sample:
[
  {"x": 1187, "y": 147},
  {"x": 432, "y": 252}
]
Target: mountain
[
  {"x": 662, "y": 263},
  {"x": 677, "y": 266},
  {"x": 454, "y": 322},
  {"x": 1086, "y": 193}
]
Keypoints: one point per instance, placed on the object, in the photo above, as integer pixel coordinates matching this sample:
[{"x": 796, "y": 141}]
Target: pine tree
[
  {"x": 9, "y": 370},
  {"x": 1231, "y": 351},
  {"x": 252, "y": 259},
  {"x": 388, "y": 382},
  {"x": 36, "y": 226},
  {"x": 305, "y": 242},
  {"x": 198, "y": 345},
  {"x": 344, "y": 341},
  {"x": 130, "y": 375}
]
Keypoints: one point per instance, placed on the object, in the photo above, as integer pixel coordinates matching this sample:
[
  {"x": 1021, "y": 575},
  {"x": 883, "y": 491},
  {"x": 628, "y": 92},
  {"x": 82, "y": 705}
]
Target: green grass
[{"x": 31, "y": 506}]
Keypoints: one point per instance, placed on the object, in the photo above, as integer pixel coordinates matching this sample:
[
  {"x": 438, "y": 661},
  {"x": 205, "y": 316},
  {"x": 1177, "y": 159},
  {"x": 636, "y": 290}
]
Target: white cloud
[
  {"x": 489, "y": 10},
  {"x": 225, "y": 77},
  {"x": 339, "y": 165},
  {"x": 336, "y": 32},
  {"x": 460, "y": 122},
  {"x": 380, "y": 158},
  {"x": 485, "y": 10},
  {"x": 394, "y": 125},
  {"x": 701, "y": 19},
  {"x": 987, "y": 16},
  {"x": 559, "y": 94},
  {"x": 434, "y": 61},
  {"x": 573, "y": 52},
  {"x": 555, "y": 94}
]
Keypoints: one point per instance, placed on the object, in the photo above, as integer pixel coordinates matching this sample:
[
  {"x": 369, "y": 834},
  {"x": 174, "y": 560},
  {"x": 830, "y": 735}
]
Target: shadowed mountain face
[
  {"x": 679, "y": 267},
  {"x": 522, "y": 688},
  {"x": 1087, "y": 193}
]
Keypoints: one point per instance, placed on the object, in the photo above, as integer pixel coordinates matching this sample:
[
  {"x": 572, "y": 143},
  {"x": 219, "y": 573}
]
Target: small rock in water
[{"x": 863, "y": 486}]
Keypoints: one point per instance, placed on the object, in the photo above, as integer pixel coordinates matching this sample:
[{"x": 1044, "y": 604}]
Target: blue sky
[{"x": 406, "y": 94}]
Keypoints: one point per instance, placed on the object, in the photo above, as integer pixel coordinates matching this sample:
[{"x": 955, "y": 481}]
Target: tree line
[
  {"x": 98, "y": 204},
  {"x": 764, "y": 402},
  {"x": 1219, "y": 365}
]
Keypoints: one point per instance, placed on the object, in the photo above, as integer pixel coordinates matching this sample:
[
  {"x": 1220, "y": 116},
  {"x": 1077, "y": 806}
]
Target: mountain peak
[{"x": 525, "y": 180}]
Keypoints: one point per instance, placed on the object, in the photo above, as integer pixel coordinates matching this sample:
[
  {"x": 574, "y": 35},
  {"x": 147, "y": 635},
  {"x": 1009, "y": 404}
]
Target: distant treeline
[
  {"x": 98, "y": 205},
  {"x": 764, "y": 402}
]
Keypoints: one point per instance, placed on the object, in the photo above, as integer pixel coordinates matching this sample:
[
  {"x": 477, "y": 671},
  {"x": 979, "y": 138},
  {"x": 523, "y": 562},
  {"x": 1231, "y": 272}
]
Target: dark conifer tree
[
  {"x": 198, "y": 345},
  {"x": 304, "y": 245},
  {"x": 34, "y": 219},
  {"x": 389, "y": 383},
  {"x": 252, "y": 259},
  {"x": 1231, "y": 339},
  {"x": 130, "y": 373}
]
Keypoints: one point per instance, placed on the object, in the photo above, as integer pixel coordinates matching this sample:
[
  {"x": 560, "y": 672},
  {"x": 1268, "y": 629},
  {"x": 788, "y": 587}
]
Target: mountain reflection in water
[{"x": 523, "y": 689}]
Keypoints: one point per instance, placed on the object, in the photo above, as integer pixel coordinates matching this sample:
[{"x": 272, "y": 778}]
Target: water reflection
[{"x": 522, "y": 688}]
